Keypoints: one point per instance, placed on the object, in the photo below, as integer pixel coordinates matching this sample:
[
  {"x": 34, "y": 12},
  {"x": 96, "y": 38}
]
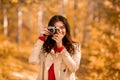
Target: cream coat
[{"x": 65, "y": 65}]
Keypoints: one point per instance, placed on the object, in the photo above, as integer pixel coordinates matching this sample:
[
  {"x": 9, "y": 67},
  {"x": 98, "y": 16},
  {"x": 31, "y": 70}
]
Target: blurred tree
[
  {"x": 94, "y": 23},
  {"x": 20, "y": 13},
  {"x": 76, "y": 28},
  {"x": 5, "y": 21}
]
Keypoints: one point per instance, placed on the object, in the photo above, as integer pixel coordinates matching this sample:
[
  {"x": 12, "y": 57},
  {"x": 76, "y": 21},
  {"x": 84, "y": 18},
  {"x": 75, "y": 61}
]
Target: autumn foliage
[{"x": 95, "y": 24}]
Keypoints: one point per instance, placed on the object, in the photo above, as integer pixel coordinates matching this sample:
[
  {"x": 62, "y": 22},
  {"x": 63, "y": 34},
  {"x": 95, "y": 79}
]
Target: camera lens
[{"x": 52, "y": 30}]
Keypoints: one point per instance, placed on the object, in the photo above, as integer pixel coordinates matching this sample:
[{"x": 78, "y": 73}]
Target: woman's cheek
[{"x": 63, "y": 32}]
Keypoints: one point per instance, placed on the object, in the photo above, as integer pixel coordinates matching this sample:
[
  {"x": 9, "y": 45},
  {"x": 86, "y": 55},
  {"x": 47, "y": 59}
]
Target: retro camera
[{"x": 52, "y": 29}]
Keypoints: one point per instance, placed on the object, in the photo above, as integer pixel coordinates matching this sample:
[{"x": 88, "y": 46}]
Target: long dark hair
[{"x": 67, "y": 41}]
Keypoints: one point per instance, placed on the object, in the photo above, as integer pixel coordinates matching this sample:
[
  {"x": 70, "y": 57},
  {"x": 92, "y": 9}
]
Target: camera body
[{"x": 52, "y": 29}]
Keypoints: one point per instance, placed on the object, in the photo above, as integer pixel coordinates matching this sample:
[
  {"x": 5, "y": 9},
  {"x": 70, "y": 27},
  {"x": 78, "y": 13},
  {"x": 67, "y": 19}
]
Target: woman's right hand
[{"x": 44, "y": 32}]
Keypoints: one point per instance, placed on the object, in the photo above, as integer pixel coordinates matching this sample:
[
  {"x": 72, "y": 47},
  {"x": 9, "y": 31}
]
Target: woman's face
[{"x": 60, "y": 25}]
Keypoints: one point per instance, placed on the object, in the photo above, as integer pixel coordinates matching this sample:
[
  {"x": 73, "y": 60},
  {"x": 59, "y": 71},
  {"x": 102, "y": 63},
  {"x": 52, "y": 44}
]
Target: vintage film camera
[{"x": 52, "y": 29}]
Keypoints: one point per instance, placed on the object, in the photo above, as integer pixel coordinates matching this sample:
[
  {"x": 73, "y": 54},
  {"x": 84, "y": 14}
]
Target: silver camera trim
[{"x": 52, "y": 27}]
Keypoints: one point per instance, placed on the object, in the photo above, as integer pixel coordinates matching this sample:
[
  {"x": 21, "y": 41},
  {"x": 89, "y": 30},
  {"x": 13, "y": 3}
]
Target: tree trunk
[
  {"x": 5, "y": 21},
  {"x": 40, "y": 13},
  {"x": 76, "y": 29},
  {"x": 19, "y": 26},
  {"x": 63, "y": 7}
]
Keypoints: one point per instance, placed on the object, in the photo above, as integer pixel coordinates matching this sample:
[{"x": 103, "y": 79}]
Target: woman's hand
[
  {"x": 44, "y": 32},
  {"x": 58, "y": 38}
]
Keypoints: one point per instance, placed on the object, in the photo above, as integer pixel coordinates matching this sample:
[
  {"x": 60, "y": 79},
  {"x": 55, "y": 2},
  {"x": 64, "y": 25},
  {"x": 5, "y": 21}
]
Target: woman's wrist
[
  {"x": 42, "y": 38},
  {"x": 59, "y": 44}
]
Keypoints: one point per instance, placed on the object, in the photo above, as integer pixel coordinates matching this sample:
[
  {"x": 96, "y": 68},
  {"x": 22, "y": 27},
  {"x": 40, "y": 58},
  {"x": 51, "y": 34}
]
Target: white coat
[{"x": 65, "y": 65}]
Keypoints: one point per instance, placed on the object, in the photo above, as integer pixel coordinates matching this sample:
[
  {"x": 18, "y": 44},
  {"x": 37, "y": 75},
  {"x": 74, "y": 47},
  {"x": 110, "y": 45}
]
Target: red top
[{"x": 51, "y": 75}]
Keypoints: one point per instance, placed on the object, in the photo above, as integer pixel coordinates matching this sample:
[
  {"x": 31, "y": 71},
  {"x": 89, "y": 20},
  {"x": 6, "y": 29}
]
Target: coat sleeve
[
  {"x": 35, "y": 53},
  {"x": 72, "y": 62}
]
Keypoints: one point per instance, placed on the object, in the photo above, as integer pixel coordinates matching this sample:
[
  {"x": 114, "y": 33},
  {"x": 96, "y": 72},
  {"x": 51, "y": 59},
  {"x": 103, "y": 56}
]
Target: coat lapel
[
  {"x": 57, "y": 65},
  {"x": 49, "y": 61}
]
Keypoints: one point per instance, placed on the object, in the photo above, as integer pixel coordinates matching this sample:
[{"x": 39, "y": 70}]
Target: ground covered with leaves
[{"x": 14, "y": 62}]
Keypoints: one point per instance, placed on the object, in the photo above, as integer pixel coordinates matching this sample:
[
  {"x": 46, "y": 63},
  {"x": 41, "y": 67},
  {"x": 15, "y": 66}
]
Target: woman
[{"x": 58, "y": 56}]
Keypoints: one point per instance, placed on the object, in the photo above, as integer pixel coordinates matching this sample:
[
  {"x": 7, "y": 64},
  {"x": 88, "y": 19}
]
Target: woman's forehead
[{"x": 59, "y": 23}]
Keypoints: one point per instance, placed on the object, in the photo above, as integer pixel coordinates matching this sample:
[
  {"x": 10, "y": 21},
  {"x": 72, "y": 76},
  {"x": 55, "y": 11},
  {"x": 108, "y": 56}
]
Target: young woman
[{"x": 58, "y": 56}]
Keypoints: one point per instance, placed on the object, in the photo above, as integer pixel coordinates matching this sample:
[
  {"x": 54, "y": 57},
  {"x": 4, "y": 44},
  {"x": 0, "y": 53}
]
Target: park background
[{"x": 95, "y": 24}]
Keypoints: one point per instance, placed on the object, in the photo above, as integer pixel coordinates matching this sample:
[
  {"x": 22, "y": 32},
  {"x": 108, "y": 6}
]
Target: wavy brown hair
[{"x": 67, "y": 41}]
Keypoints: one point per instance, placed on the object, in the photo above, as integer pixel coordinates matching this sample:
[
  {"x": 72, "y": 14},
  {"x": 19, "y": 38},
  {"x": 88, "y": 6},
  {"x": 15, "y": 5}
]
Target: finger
[
  {"x": 54, "y": 39},
  {"x": 44, "y": 32},
  {"x": 55, "y": 35},
  {"x": 59, "y": 30}
]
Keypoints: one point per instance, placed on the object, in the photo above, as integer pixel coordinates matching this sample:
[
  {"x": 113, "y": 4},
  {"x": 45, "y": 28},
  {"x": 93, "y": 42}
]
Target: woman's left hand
[{"x": 58, "y": 38}]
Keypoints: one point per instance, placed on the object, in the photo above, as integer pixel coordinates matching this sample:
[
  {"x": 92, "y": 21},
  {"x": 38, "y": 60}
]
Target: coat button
[{"x": 64, "y": 70}]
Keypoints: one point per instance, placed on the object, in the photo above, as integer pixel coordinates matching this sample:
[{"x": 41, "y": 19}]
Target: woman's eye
[{"x": 62, "y": 27}]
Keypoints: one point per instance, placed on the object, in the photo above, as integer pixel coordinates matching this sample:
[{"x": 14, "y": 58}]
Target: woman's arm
[
  {"x": 72, "y": 62},
  {"x": 34, "y": 56}
]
